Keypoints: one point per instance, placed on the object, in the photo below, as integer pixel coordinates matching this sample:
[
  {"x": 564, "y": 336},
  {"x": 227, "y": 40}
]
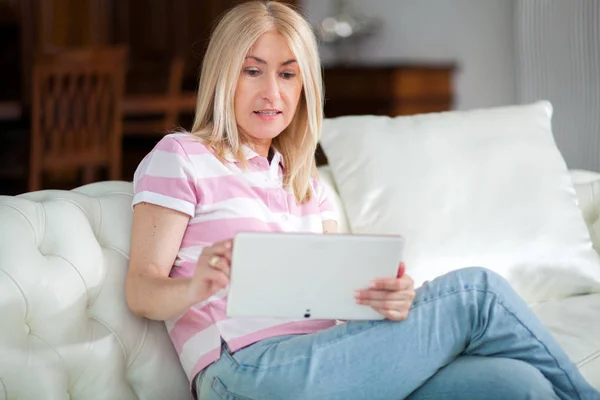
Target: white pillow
[
  {"x": 485, "y": 187},
  {"x": 326, "y": 179}
]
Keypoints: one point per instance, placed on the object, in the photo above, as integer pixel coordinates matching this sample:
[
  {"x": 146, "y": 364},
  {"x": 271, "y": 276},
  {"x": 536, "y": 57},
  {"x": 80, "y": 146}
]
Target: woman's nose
[{"x": 270, "y": 89}]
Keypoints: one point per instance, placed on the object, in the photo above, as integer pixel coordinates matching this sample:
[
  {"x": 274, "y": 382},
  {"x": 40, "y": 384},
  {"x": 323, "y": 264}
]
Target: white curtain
[{"x": 558, "y": 59}]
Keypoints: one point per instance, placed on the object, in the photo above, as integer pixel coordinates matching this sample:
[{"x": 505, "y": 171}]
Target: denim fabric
[{"x": 468, "y": 336}]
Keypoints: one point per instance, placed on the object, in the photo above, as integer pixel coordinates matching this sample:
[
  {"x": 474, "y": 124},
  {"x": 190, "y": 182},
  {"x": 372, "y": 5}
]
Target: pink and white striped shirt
[{"x": 222, "y": 199}]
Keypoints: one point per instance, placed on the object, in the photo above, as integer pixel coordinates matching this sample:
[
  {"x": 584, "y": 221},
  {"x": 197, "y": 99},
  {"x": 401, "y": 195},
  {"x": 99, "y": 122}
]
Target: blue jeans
[{"x": 468, "y": 336}]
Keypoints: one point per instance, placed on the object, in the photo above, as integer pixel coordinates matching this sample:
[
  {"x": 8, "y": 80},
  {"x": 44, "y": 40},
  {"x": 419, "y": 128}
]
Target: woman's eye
[
  {"x": 288, "y": 75},
  {"x": 252, "y": 71}
]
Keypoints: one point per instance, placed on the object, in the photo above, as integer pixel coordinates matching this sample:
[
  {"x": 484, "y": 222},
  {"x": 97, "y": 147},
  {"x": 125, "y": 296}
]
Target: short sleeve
[
  {"x": 166, "y": 177},
  {"x": 326, "y": 206}
]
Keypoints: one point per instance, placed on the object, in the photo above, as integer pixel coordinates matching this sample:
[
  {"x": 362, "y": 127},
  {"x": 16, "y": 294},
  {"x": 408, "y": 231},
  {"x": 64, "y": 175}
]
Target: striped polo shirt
[{"x": 222, "y": 199}]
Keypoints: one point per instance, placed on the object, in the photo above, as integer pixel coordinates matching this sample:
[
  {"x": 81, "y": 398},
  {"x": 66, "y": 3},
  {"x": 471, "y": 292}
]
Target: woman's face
[{"x": 268, "y": 89}]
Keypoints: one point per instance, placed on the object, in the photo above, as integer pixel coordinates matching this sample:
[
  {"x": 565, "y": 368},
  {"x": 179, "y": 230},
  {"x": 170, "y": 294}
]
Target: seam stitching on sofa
[
  {"x": 141, "y": 342},
  {"x": 121, "y": 252},
  {"x": 91, "y": 302},
  {"x": 97, "y": 235},
  {"x": 105, "y": 194},
  {"x": 49, "y": 346},
  {"x": 123, "y": 193},
  {"x": 76, "y": 271},
  {"x": 586, "y": 360},
  {"x": 99, "y": 229},
  {"x": 43, "y": 223},
  {"x": 117, "y": 338},
  {"x": 73, "y": 202},
  {"x": 20, "y": 291},
  {"x": 26, "y": 219},
  {"x": 88, "y": 360},
  {"x": 4, "y": 388}
]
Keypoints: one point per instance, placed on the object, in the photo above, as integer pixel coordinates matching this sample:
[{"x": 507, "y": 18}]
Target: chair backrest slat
[{"x": 77, "y": 110}]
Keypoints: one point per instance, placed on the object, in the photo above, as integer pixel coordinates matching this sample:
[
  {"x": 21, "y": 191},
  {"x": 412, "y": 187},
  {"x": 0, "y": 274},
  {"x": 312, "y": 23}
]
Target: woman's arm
[
  {"x": 155, "y": 239},
  {"x": 330, "y": 226}
]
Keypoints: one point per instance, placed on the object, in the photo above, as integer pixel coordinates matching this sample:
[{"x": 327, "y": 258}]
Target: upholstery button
[{"x": 27, "y": 329}]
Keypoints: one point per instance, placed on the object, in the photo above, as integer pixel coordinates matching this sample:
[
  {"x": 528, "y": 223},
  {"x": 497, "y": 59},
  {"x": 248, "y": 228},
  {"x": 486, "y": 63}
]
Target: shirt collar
[{"x": 249, "y": 154}]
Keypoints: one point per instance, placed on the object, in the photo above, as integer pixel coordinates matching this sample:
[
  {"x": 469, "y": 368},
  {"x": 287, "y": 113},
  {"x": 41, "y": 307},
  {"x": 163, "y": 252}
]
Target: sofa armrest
[{"x": 587, "y": 187}]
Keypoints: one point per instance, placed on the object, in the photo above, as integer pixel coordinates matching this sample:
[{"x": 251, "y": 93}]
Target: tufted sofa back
[{"x": 65, "y": 329}]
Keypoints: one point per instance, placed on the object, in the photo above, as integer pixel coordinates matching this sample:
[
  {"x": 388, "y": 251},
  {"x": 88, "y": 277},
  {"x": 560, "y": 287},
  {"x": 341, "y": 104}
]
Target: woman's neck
[{"x": 262, "y": 147}]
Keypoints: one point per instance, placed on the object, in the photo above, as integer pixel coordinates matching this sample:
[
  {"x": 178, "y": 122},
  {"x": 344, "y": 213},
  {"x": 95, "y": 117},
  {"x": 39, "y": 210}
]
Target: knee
[{"x": 480, "y": 277}]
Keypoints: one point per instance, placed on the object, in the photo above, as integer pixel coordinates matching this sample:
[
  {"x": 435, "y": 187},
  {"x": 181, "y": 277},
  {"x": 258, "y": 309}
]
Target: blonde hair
[{"x": 232, "y": 39}]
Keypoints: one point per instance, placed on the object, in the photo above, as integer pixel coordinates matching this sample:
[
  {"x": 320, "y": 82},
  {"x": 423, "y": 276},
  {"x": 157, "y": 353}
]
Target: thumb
[{"x": 401, "y": 269}]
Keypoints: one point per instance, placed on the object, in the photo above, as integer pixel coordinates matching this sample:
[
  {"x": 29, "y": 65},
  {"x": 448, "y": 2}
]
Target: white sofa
[
  {"x": 65, "y": 329},
  {"x": 66, "y": 332}
]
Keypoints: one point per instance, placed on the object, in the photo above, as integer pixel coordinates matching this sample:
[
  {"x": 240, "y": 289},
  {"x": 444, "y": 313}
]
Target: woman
[{"x": 248, "y": 164}]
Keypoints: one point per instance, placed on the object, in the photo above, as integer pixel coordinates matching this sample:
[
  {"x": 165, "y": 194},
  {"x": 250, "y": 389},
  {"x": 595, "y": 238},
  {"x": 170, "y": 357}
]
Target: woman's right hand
[{"x": 212, "y": 271}]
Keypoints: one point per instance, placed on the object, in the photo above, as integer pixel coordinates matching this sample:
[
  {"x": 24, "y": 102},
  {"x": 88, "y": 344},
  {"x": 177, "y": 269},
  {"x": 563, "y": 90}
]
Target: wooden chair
[
  {"x": 76, "y": 112},
  {"x": 157, "y": 112}
]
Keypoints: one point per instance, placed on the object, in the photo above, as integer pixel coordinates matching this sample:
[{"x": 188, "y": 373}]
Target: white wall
[
  {"x": 558, "y": 59},
  {"x": 476, "y": 34}
]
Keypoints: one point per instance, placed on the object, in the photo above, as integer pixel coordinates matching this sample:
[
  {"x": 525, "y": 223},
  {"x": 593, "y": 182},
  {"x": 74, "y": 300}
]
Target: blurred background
[{"x": 87, "y": 87}]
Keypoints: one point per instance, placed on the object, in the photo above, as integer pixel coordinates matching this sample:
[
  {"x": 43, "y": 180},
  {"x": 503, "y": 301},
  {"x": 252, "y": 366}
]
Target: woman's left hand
[{"x": 390, "y": 297}]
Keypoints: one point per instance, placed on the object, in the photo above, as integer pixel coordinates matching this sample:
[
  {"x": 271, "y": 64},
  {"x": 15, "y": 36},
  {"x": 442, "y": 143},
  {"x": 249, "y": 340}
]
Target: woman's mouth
[
  {"x": 267, "y": 112},
  {"x": 267, "y": 115}
]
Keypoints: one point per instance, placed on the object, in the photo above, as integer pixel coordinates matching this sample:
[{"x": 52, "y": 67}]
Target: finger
[
  {"x": 393, "y": 315},
  {"x": 207, "y": 282},
  {"x": 217, "y": 250},
  {"x": 398, "y": 305},
  {"x": 403, "y": 283},
  {"x": 384, "y": 295},
  {"x": 222, "y": 249},
  {"x": 224, "y": 265},
  {"x": 401, "y": 269},
  {"x": 392, "y": 284}
]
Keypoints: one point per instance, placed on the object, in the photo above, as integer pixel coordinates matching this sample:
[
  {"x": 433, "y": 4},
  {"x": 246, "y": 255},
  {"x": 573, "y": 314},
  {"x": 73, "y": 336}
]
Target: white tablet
[{"x": 303, "y": 275}]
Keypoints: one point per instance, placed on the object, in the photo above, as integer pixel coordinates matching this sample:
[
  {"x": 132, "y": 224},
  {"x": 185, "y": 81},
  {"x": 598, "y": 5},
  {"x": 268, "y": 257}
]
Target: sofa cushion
[
  {"x": 66, "y": 329},
  {"x": 587, "y": 186},
  {"x": 483, "y": 187},
  {"x": 326, "y": 179},
  {"x": 575, "y": 323}
]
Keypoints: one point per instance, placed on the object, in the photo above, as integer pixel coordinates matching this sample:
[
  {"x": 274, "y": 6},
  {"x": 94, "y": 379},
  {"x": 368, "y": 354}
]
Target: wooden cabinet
[{"x": 401, "y": 89}]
